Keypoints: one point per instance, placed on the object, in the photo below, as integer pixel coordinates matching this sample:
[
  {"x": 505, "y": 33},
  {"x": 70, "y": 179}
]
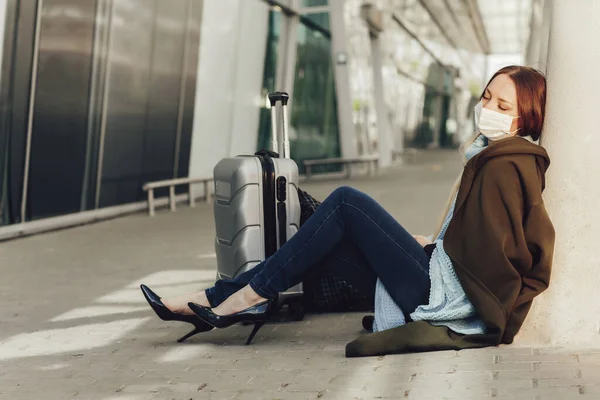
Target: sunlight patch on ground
[
  {"x": 184, "y": 353},
  {"x": 205, "y": 256},
  {"x": 96, "y": 311},
  {"x": 165, "y": 278},
  {"x": 51, "y": 367},
  {"x": 129, "y": 299},
  {"x": 123, "y": 296},
  {"x": 78, "y": 338},
  {"x": 135, "y": 296}
]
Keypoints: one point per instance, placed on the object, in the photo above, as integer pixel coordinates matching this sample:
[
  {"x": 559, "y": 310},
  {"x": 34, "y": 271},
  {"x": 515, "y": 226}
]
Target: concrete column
[
  {"x": 285, "y": 73},
  {"x": 226, "y": 91},
  {"x": 436, "y": 114},
  {"x": 385, "y": 144},
  {"x": 545, "y": 36},
  {"x": 2, "y": 23},
  {"x": 339, "y": 50},
  {"x": 532, "y": 54},
  {"x": 569, "y": 312},
  {"x": 287, "y": 53}
]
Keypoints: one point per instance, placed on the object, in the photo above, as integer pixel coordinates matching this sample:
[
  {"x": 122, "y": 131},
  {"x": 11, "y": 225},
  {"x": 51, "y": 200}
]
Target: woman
[{"x": 471, "y": 287}]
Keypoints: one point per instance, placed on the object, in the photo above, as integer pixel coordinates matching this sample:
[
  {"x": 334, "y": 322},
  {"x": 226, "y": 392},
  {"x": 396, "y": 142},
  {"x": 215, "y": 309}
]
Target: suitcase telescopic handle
[
  {"x": 275, "y": 98},
  {"x": 279, "y": 96}
]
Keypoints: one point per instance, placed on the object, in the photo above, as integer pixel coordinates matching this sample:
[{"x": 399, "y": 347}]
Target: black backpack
[{"x": 323, "y": 291}]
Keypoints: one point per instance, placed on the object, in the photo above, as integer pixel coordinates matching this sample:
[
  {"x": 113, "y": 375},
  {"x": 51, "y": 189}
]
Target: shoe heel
[
  {"x": 257, "y": 326},
  {"x": 189, "y": 335}
]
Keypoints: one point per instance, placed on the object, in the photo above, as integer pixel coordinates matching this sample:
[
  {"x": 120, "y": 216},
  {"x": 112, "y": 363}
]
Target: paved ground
[{"x": 73, "y": 323}]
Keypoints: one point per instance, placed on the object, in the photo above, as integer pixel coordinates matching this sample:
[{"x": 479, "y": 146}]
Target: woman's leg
[
  {"x": 347, "y": 214},
  {"x": 346, "y": 262},
  {"x": 213, "y": 296},
  {"x": 226, "y": 287}
]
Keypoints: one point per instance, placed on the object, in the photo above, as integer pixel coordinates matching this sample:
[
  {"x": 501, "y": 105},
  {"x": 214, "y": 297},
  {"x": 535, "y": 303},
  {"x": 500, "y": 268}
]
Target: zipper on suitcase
[
  {"x": 270, "y": 219},
  {"x": 281, "y": 188}
]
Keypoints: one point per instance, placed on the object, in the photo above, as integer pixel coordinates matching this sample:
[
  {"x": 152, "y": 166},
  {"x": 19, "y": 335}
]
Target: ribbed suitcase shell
[{"x": 245, "y": 211}]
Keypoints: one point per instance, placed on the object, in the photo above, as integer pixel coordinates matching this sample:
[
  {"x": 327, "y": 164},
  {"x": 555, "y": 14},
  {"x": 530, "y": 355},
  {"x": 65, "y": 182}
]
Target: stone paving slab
[{"x": 73, "y": 324}]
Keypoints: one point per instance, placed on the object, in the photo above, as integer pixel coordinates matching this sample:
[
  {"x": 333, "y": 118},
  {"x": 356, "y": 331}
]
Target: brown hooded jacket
[{"x": 500, "y": 241}]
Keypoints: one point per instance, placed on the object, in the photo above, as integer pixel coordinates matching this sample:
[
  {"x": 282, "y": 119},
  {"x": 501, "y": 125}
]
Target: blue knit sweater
[{"x": 448, "y": 303}]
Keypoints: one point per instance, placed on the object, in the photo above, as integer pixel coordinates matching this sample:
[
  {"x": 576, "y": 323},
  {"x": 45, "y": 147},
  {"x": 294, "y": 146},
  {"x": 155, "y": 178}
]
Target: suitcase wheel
[{"x": 296, "y": 309}]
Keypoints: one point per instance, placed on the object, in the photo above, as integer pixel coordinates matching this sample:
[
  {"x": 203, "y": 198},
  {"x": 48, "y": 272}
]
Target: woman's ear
[{"x": 515, "y": 127}]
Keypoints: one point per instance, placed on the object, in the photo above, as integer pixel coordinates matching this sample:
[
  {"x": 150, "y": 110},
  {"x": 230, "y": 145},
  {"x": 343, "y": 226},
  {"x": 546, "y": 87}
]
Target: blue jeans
[{"x": 352, "y": 236}]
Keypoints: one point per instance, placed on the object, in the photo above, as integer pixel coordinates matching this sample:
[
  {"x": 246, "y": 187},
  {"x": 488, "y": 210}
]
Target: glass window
[
  {"x": 314, "y": 125},
  {"x": 425, "y": 96},
  {"x": 411, "y": 58},
  {"x": 269, "y": 76},
  {"x": 3, "y": 182},
  {"x": 313, "y": 3},
  {"x": 361, "y": 79},
  {"x": 411, "y": 14},
  {"x": 321, "y": 20}
]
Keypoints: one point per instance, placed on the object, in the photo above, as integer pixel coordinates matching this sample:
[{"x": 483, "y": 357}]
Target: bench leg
[
  {"x": 151, "y": 202},
  {"x": 206, "y": 192},
  {"x": 191, "y": 196},
  {"x": 348, "y": 170},
  {"x": 308, "y": 172},
  {"x": 373, "y": 167},
  {"x": 172, "y": 197}
]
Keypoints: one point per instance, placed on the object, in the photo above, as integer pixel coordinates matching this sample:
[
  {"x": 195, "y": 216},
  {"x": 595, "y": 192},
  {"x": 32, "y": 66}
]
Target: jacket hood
[{"x": 516, "y": 146}]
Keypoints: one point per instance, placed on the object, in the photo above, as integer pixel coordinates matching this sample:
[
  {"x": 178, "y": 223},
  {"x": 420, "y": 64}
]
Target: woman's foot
[
  {"x": 179, "y": 304},
  {"x": 164, "y": 313},
  {"x": 239, "y": 301}
]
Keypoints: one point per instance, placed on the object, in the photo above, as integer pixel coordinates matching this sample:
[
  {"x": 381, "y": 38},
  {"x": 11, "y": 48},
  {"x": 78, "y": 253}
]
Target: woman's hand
[{"x": 423, "y": 241}]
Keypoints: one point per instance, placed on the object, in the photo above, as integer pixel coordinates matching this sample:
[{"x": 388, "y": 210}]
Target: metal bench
[
  {"x": 171, "y": 183},
  {"x": 409, "y": 154},
  {"x": 371, "y": 160}
]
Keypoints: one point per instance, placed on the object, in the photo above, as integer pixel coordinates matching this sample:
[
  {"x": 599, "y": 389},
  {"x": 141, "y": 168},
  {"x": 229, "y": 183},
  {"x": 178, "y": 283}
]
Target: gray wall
[
  {"x": 112, "y": 102},
  {"x": 228, "y": 92}
]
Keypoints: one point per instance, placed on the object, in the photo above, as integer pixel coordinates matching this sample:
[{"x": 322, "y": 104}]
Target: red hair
[{"x": 531, "y": 97}]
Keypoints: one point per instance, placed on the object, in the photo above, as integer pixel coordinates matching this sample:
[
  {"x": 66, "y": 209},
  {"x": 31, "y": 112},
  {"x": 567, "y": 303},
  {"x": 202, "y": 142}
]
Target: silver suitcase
[{"x": 256, "y": 207}]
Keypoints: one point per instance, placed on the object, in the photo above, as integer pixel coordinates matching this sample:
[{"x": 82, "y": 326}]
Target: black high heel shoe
[
  {"x": 257, "y": 314},
  {"x": 167, "y": 315}
]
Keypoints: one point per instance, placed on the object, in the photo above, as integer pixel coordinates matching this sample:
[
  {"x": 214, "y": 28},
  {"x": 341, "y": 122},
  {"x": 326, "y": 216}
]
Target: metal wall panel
[
  {"x": 190, "y": 69},
  {"x": 18, "y": 51},
  {"x": 128, "y": 74},
  {"x": 147, "y": 125},
  {"x": 95, "y": 114},
  {"x": 164, "y": 91},
  {"x": 8, "y": 36},
  {"x": 112, "y": 107},
  {"x": 58, "y": 138}
]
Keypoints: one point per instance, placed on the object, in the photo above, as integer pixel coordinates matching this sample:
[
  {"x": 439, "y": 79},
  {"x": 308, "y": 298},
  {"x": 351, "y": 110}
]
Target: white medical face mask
[{"x": 493, "y": 125}]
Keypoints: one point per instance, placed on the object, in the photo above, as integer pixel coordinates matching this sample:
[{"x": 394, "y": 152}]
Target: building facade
[{"x": 99, "y": 97}]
